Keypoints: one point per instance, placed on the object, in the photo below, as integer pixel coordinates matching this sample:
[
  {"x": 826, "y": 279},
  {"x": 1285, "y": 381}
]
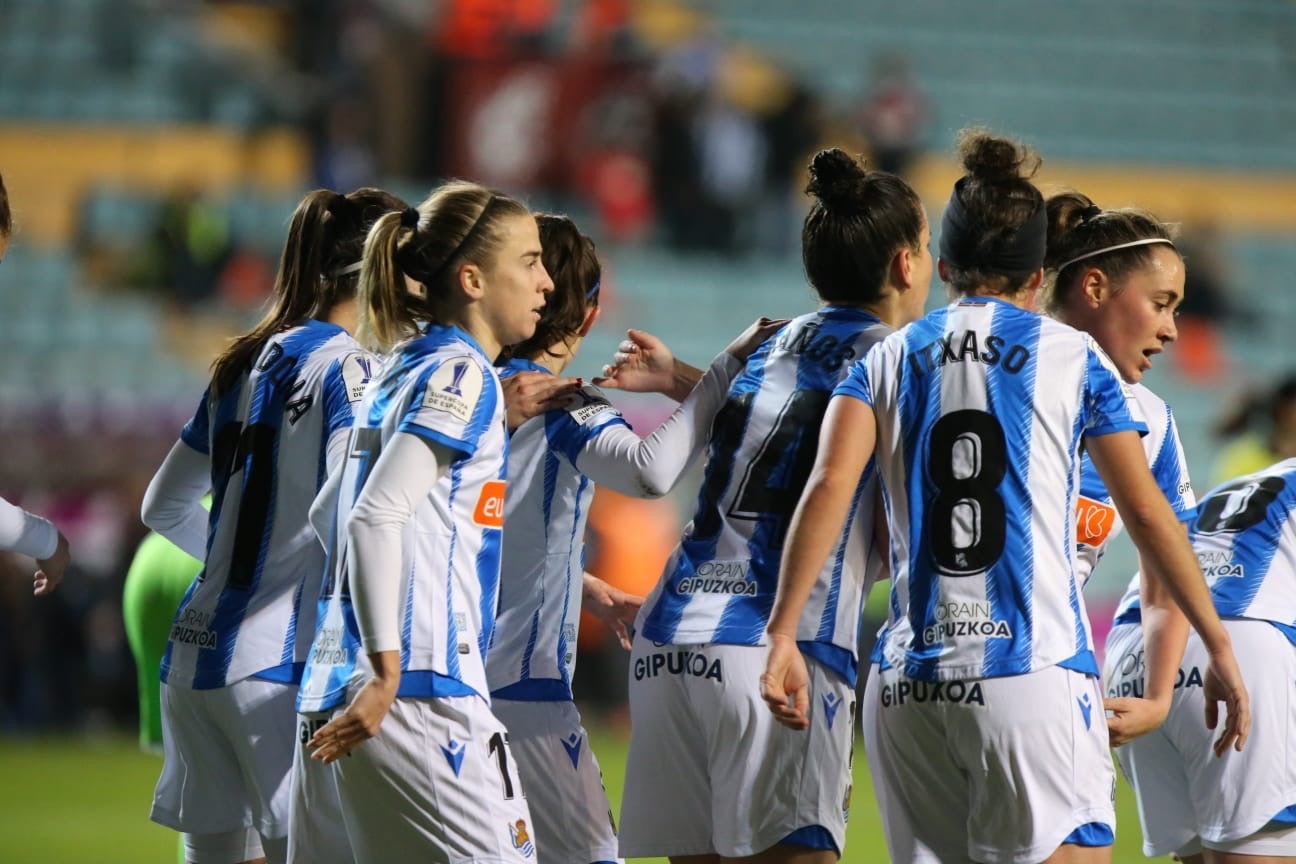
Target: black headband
[{"x": 1020, "y": 252}]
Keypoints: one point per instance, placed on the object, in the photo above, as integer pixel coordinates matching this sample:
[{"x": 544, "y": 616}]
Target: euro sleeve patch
[{"x": 455, "y": 388}]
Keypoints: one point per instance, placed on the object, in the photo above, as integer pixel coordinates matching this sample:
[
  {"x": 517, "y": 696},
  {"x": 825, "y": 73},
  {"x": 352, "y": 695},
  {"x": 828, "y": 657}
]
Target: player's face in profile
[
  {"x": 516, "y": 282},
  {"x": 1137, "y": 321}
]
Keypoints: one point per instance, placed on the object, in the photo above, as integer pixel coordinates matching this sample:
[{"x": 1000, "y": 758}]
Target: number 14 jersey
[
  {"x": 719, "y": 584},
  {"x": 981, "y": 409}
]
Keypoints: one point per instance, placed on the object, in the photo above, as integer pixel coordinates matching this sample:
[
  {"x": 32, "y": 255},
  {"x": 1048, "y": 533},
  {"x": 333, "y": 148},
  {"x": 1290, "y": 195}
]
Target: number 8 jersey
[
  {"x": 981, "y": 409},
  {"x": 719, "y": 584}
]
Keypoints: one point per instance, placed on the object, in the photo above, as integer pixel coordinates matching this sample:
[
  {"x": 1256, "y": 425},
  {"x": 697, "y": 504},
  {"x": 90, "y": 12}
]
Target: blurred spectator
[
  {"x": 1260, "y": 431},
  {"x": 731, "y": 160},
  {"x": 1200, "y": 354},
  {"x": 792, "y": 131},
  {"x": 190, "y": 245},
  {"x": 893, "y": 116}
]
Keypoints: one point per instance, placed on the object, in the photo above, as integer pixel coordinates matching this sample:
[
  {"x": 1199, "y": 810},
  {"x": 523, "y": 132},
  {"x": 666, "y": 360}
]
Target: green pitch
[{"x": 87, "y": 800}]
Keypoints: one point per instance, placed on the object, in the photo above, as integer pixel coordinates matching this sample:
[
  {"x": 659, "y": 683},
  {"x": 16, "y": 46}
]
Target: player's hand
[
  {"x": 528, "y": 394},
  {"x": 785, "y": 684},
  {"x": 1223, "y": 683},
  {"x": 357, "y": 724},
  {"x": 51, "y": 569},
  {"x": 753, "y": 337},
  {"x": 614, "y": 607},
  {"x": 1130, "y": 717},
  {"x": 642, "y": 364}
]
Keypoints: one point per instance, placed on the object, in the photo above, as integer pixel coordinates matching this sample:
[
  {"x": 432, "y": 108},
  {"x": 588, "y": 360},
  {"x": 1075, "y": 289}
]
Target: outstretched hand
[{"x": 642, "y": 364}]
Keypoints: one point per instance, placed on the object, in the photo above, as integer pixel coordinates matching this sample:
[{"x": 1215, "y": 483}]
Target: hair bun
[
  {"x": 994, "y": 159},
  {"x": 835, "y": 178}
]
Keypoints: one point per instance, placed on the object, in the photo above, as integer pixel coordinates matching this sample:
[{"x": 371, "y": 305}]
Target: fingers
[
  {"x": 1212, "y": 714},
  {"x": 42, "y": 584},
  {"x": 788, "y": 709},
  {"x": 623, "y": 635},
  {"x": 337, "y": 738},
  {"x": 1237, "y": 726}
]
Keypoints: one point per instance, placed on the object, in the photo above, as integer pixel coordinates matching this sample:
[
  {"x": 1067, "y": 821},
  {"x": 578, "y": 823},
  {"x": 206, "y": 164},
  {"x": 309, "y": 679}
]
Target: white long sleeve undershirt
[
  {"x": 173, "y": 501},
  {"x": 26, "y": 533},
  {"x": 407, "y": 469},
  {"x": 650, "y": 467}
]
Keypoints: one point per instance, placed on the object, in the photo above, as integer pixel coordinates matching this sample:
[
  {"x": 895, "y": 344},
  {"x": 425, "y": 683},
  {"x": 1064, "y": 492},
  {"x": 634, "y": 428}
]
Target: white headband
[
  {"x": 350, "y": 268},
  {"x": 1148, "y": 242}
]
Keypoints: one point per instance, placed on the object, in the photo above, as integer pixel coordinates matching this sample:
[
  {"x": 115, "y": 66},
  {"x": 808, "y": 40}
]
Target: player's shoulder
[{"x": 586, "y": 406}]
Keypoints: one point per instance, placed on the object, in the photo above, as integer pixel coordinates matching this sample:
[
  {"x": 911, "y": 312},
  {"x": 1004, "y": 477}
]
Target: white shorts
[
  {"x": 1187, "y": 796},
  {"x": 998, "y": 770},
  {"x": 710, "y": 771},
  {"x": 317, "y": 831},
  {"x": 437, "y": 784},
  {"x": 562, "y": 779},
  {"x": 228, "y": 755}
]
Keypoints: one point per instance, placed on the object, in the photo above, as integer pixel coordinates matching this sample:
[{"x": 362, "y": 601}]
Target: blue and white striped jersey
[
  {"x": 533, "y": 655},
  {"x": 441, "y": 387},
  {"x": 981, "y": 409},
  {"x": 1097, "y": 522},
  {"x": 267, "y": 440},
  {"x": 719, "y": 585},
  {"x": 1244, "y": 534}
]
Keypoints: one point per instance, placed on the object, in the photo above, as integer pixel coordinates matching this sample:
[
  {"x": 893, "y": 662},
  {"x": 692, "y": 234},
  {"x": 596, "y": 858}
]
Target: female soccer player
[
  {"x": 983, "y": 719},
  {"x": 554, "y": 461},
  {"x": 710, "y": 776},
  {"x": 1116, "y": 275},
  {"x": 20, "y": 531},
  {"x": 275, "y": 414},
  {"x": 1242, "y": 809},
  {"x": 421, "y": 502}
]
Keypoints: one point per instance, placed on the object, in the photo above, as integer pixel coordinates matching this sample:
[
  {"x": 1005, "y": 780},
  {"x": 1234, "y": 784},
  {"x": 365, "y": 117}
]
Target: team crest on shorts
[{"x": 522, "y": 840}]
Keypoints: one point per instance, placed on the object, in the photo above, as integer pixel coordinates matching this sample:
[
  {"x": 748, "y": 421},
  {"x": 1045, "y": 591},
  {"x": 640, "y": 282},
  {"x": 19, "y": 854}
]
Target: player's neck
[
  {"x": 556, "y": 357},
  {"x": 345, "y": 314}
]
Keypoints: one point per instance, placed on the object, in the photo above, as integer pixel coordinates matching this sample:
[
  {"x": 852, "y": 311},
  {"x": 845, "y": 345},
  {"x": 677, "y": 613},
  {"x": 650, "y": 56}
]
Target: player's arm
[
  {"x": 36, "y": 537},
  {"x": 173, "y": 501},
  {"x": 408, "y": 467},
  {"x": 1161, "y": 542},
  {"x": 650, "y": 467},
  {"x": 643, "y": 363},
  {"x": 845, "y": 446}
]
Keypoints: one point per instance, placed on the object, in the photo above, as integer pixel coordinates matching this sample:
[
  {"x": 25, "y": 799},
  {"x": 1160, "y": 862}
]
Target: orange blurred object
[{"x": 629, "y": 541}]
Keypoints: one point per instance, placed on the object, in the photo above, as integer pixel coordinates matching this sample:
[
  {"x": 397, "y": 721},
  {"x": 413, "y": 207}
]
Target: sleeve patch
[
  {"x": 455, "y": 388},
  {"x": 586, "y": 404},
  {"x": 357, "y": 369}
]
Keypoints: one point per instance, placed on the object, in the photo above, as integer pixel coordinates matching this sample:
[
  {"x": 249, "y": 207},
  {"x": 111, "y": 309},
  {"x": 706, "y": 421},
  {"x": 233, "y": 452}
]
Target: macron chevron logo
[
  {"x": 1086, "y": 709},
  {"x": 454, "y": 754},
  {"x": 831, "y": 702},
  {"x": 572, "y": 744}
]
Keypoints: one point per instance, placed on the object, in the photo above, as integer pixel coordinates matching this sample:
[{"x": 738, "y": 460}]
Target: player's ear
[{"x": 591, "y": 315}]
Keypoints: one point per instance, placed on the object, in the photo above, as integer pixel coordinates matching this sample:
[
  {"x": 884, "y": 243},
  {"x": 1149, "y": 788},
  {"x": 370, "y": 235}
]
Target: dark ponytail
[{"x": 324, "y": 236}]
